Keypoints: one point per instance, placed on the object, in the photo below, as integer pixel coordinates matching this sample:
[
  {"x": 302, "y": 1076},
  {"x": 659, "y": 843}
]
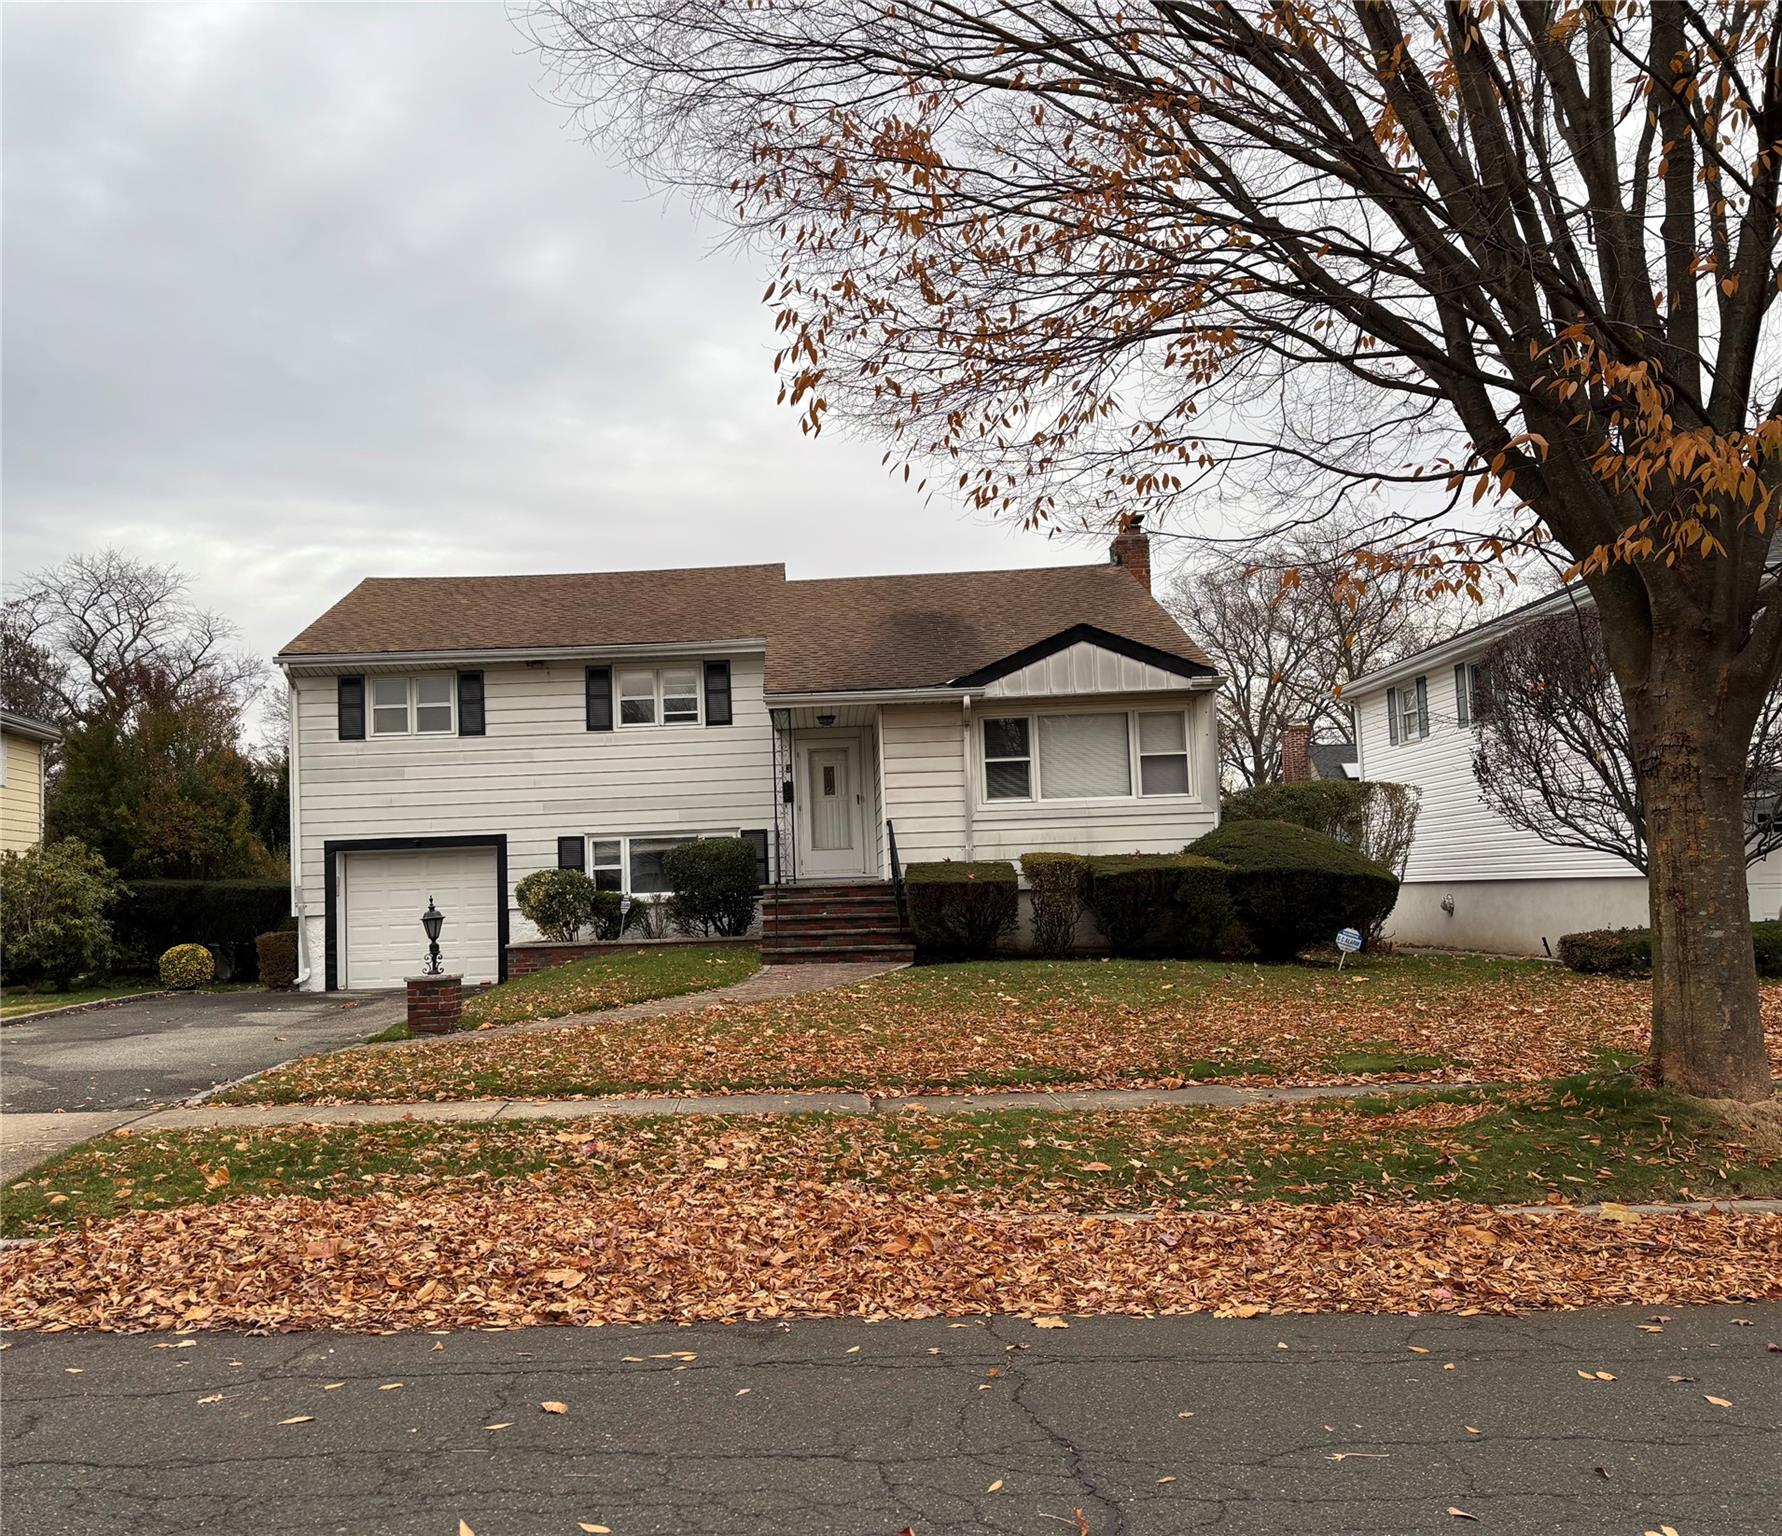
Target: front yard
[
  {"x": 1398, "y": 1202},
  {"x": 1049, "y": 1025},
  {"x": 607, "y": 981},
  {"x": 1374, "y": 1206}
]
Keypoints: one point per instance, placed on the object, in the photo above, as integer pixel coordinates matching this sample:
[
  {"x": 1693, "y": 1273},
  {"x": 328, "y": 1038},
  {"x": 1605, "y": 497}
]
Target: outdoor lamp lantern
[
  {"x": 825, "y": 719},
  {"x": 432, "y": 920}
]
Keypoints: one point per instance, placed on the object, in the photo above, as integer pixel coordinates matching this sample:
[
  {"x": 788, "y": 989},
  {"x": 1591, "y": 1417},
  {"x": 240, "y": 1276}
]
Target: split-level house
[
  {"x": 452, "y": 734},
  {"x": 1474, "y": 881}
]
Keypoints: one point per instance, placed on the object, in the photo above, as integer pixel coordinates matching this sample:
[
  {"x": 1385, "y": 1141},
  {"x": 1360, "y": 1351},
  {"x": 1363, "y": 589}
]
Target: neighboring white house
[
  {"x": 451, "y": 735},
  {"x": 1473, "y": 880}
]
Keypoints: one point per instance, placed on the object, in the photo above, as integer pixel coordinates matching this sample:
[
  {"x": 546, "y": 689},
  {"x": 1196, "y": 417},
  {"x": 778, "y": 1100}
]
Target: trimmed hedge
[
  {"x": 1058, "y": 884},
  {"x": 226, "y": 916},
  {"x": 716, "y": 886},
  {"x": 1163, "y": 904},
  {"x": 277, "y": 953},
  {"x": 1607, "y": 951},
  {"x": 1292, "y": 887},
  {"x": 1628, "y": 951},
  {"x": 960, "y": 910},
  {"x": 186, "y": 966}
]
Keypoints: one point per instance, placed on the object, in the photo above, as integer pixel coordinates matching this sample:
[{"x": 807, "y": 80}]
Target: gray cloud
[{"x": 297, "y": 294}]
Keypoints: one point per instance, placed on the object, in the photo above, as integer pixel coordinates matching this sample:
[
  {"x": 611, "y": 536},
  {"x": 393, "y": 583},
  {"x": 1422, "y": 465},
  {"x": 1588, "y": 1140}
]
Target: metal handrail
[{"x": 903, "y": 918}]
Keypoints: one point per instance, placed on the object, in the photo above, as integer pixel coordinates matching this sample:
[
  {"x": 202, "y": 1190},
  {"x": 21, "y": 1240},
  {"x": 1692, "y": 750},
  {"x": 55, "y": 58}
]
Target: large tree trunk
[{"x": 1707, "y": 1034}]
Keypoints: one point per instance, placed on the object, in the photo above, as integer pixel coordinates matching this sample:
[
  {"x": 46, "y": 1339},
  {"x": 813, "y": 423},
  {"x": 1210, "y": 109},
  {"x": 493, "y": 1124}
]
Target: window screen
[
  {"x": 637, "y": 698},
  {"x": 1163, "y": 753},
  {"x": 607, "y": 866},
  {"x": 389, "y": 706},
  {"x": 680, "y": 697},
  {"x": 1008, "y": 766},
  {"x": 433, "y": 703},
  {"x": 1083, "y": 757}
]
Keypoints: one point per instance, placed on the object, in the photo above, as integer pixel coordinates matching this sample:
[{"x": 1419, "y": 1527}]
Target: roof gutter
[
  {"x": 298, "y": 662},
  {"x": 870, "y": 695}
]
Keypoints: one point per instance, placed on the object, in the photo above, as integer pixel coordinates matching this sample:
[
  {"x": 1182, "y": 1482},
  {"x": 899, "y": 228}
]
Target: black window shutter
[
  {"x": 1392, "y": 714},
  {"x": 1463, "y": 711},
  {"x": 600, "y": 698},
  {"x": 717, "y": 693},
  {"x": 470, "y": 703},
  {"x": 570, "y": 852},
  {"x": 759, "y": 839},
  {"x": 1422, "y": 707},
  {"x": 350, "y": 707}
]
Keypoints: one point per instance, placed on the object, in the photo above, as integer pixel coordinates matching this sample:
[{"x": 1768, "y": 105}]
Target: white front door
[{"x": 831, "y": 804}]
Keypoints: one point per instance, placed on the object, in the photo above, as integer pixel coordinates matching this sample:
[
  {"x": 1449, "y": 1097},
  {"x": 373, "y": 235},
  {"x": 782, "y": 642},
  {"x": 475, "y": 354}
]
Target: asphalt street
[
  {"x": 69, "y": 1076},
  {"x": 1327, "y": 1425}
]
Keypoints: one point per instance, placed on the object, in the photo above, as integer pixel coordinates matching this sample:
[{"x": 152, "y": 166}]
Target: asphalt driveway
[{"x": 66, "y": 1077}]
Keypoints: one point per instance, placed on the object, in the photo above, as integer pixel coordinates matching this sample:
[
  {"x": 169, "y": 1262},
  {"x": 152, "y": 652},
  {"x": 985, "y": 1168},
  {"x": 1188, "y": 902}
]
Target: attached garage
[{"x": 380, "y": 893}]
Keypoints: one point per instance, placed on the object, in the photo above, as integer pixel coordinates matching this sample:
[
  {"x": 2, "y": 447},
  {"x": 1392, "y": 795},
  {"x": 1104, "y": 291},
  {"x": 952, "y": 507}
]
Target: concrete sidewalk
[{"x": 199, "y": 1116}]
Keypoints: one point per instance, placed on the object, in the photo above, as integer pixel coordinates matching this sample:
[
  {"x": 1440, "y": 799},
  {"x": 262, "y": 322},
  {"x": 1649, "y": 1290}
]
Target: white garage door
[{"x": 382, "y": 898}]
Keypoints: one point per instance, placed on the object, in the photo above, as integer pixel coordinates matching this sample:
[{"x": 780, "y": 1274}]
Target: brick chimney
[
  {"x": 1296, "y": 752},
  {"x": 1132, "y": 548}
]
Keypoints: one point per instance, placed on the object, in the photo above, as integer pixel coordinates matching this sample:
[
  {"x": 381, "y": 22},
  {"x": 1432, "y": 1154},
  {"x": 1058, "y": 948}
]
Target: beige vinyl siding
[
  {"x": 536, "y": 775},
  {"x": 928, "y": 787},
  {"x": 21, "y": 796},
  {"x": 922, "y": 748}
]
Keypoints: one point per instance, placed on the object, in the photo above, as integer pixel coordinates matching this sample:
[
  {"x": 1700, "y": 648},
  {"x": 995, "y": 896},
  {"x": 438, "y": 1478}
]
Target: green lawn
[
  {"x": 16, "y": 1002},
  {"x": 606, "y": 981},
  {"x": 1584, "y": 1139}
]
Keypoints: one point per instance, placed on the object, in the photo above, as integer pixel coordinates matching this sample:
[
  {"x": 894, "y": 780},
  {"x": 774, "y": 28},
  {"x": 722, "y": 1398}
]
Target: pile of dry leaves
[
  {"x": 575, "y": 1250},
  {"x": 946, "y": 1028}
]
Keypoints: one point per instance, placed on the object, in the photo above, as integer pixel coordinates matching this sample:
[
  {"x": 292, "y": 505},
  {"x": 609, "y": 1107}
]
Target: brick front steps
[{"x": 803, "y": 924}]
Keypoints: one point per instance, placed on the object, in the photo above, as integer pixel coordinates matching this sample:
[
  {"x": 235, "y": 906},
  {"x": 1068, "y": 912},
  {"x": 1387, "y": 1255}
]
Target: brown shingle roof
[
  {"x": 842, "y": 635},
  {"x": 492, "y": 613},
  {"x": 921, "y": 631}
]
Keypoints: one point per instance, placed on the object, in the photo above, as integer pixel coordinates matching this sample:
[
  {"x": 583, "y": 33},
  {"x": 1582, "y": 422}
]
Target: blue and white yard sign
[{"x": 1348, "y": 941}]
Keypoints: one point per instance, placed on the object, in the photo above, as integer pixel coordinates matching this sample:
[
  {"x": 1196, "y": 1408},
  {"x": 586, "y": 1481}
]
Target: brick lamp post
[{"x": 435, "y": 1000}]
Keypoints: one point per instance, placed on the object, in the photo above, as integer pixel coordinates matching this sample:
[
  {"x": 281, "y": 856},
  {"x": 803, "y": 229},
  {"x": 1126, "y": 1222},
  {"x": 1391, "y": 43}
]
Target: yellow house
[{"x": 22, "y": 741}]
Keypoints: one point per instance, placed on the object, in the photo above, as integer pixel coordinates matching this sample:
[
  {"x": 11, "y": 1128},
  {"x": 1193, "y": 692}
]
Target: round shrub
[
  {"x": 1766, "y": 939},
  {"x": 1163, "y": 904},
  {"x": 186, "y": 966},
  {"x": 959, "y": 910},
  {"x": 557, "y": 902},
  {"x": 1292, "y": 887},
  {"x": 715, "y": 885},
  {"x": 1058, "y": 886}
]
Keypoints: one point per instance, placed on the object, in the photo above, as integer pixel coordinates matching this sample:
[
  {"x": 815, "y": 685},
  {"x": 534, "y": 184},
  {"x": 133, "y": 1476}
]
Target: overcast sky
[{"x": 297, "y": 294}]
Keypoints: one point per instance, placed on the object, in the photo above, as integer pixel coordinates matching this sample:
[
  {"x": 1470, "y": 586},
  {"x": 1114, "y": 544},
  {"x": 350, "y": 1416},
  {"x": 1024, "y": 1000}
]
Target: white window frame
[
  {"x": 1135, "y": 769},
  {"x": 411, "y": 687},
  {"x": 626, "y": 839},
  {"x": 657, "y": 695}
]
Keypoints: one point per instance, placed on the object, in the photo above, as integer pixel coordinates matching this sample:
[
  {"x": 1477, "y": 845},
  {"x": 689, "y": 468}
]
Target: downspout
[
  {"x": 971, "y": 784},
  {"x": 296, "y": 822}
]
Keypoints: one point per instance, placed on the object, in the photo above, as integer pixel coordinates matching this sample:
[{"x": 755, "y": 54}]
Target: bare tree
[
  {"x": 1291, "y": 626},
  {"x": 1555, "y": 755},
  {"x": 96, "y": 632},
  {"x": 1512, "y": 264}
]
